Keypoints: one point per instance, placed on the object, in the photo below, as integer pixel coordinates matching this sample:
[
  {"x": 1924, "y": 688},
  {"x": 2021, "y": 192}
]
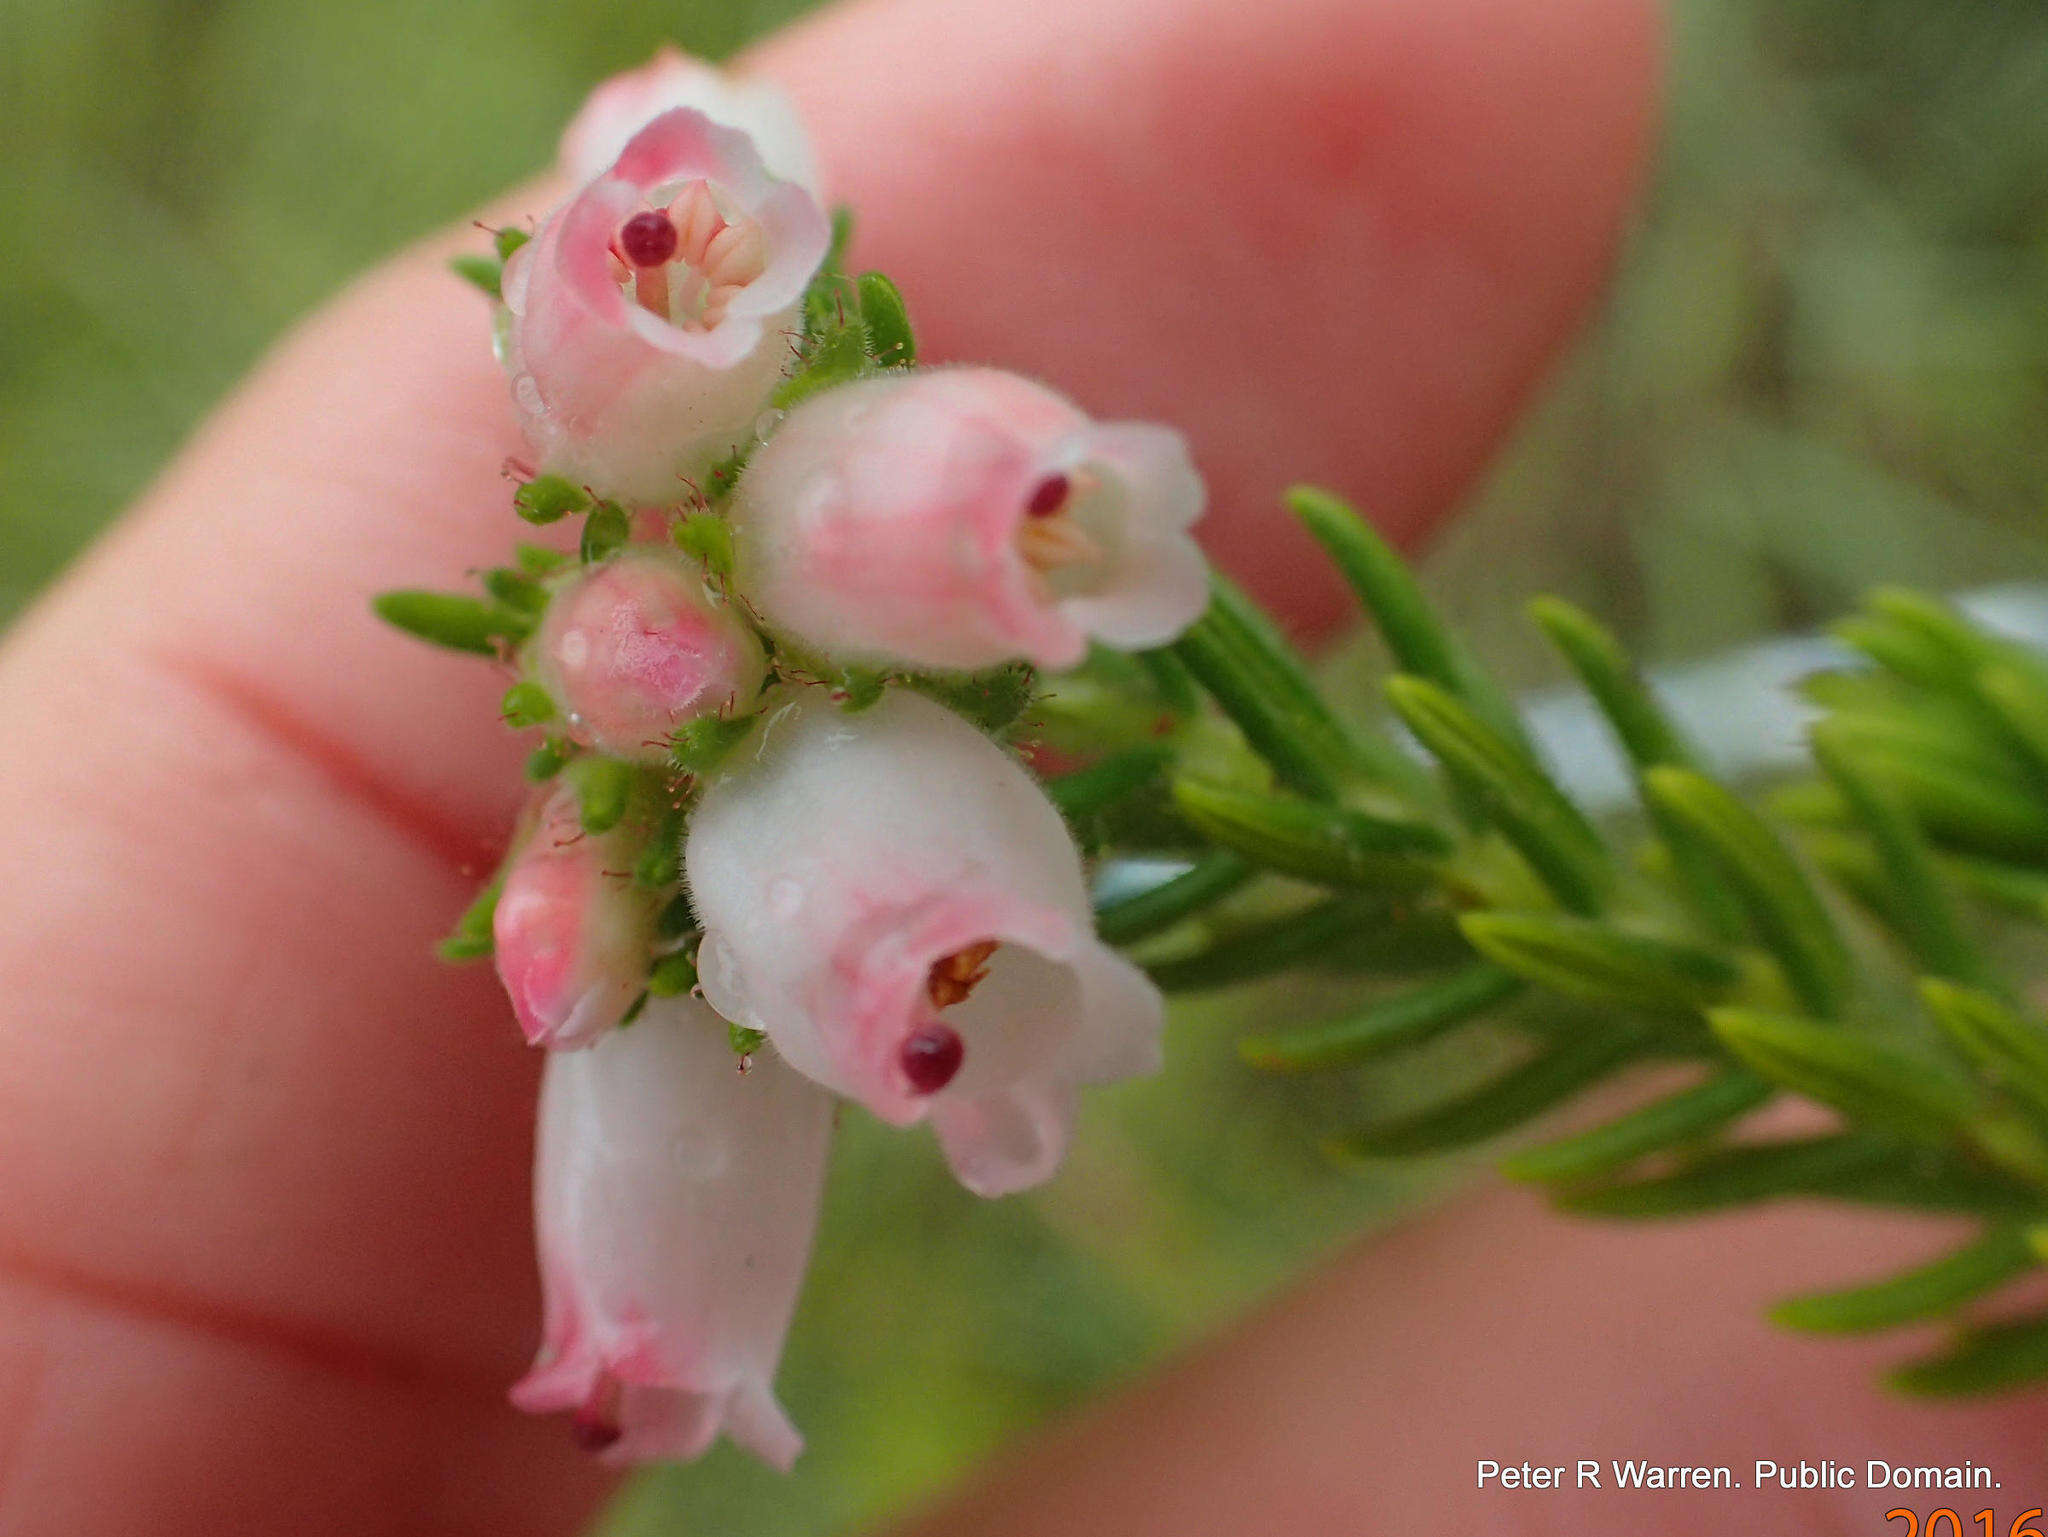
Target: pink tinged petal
[
  {"x": 843, "y": 858},
  {"x": 963, "y": 517},
  {"x": 621, "y": 106},
  {"x": 634, "y": 648},
  {"x": 638, "y": 402},
  {"x": 675, "y": 1199},
  {"x": 571, "y": 931}
]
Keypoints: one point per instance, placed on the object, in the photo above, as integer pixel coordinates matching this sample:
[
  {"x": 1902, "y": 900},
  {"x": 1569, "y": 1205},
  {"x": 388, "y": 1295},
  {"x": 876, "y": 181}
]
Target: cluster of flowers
[{"x": 749, "y": 885}]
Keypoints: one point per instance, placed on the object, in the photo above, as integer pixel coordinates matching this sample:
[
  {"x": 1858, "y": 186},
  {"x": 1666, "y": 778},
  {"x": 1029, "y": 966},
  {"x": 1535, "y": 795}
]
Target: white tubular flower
[
  {"x": 628, "y": 102},
  {"x": 675, "y": 1199},
  {"x": 962, "y": 517},
  {"x": 897, "y": 905},
  {"x": 650, "y": 319}
]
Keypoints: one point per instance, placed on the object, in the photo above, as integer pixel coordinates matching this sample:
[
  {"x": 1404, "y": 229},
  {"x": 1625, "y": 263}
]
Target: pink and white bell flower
[
  {"x": 675, "y": 1198},
  {"x": 652, "y": 316},
  {"x": 626, "y": 103},
  {"x": 961, "y": 517},
  {"x": 635, "y": 647},
  {"x": 572, "y": 933},
  {"x": 891, "y": 899}
]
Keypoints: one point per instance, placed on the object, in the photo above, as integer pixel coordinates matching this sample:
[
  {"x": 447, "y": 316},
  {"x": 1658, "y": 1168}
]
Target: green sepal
[
  {"x": 1498, "y": 1105},
  {"x": 1599, "y": 963},
  {"x": 1845, "y": 1166},
  {"x": 633, "y": 1011},
  {"x": 890, "y": 339},
  {"x": 1531, "y": 812},
  {"x": 1158, "y": 908},
  {"x": 549, "y": 499},
  {"x": 604, "y": 789},
  {"x": 1781, "y": 902},
  {"x": 1395, "y": 1024},
  {"x": 452, "y": 619},
  {"x": 708, "y": 537},
  {"x": 1331, "y": 845},
  {"x": 1679, "y": 1119},
  {"x": 995, "y": 698},
  {"x": 2010, "y": 1050},
  {"x": 605, "y": 532},
  {"x": 549, "y": 759},
  {"x": 659, "y": 864},
  {"x": 677, "y": 919},
  {"x": 699, "y": 745},
  {"x": 482, "y": 272},
  {"x": 508, "y": 240},
  {"x": 1872, "y": 1083},
  {"x": 673, "y": 975},
  {"x": 1992, "y": 1359},
  {"x": 838, "y": 355},
  {"x": 1928, "y": 1291},
  {"x": 471, "y": 938},
  {"x": 526, "y": 704},
  {"x": 744, "y": 1041}
]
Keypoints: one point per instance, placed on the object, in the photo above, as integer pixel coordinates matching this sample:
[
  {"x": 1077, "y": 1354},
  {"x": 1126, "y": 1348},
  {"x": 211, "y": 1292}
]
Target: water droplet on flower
[
  {"x": 931, "y": 1057},
  {"x": 767, "y": 422},
  {"x": 527, "y": 393}
]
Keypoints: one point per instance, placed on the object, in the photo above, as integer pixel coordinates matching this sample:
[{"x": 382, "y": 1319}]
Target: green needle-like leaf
[
  {"x": 2009, "y": 1049},
  {"x": 1600, "y": 963},
  {"x": 471, "y": 938},
  {"x": 1088, "y": 791},
  {"x": 1260, "y": 949},
  {"x": 452, "y": 619},
  {"x": 1331, "y": 845},
  {"x": 1988, "y": 1360},
  {"x": 1500, "y": 1105},
  {"x": 1394, "y": 600},
  {"x": 1646, "y": 733},
  {"x": 1393, "y": 1025},
  {"x": 1532, "y": 813},
  {"x": 1285, "y": 739},
  {"x": 1781, "y": 902},
  {"x": 1847, "y": 1166},
  {"x": 1920, "y": 902},
  {"x": 1158, "y": 908},
  {"x": 1930, "y": 1291},
  {"x": 1872, "y": 1083},
  {"x": 1685, "y": 1117}
]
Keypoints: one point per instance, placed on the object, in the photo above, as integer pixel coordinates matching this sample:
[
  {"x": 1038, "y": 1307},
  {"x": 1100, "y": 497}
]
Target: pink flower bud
[
  {"x": 633, "y": 648},
  {"x": 961, "y": 517},
  {"x": 896, "y": 904},
  {"x": 637, "y": 361},
  {"x": 571, "y": 931},
  {"x": 628, "y": 102},
  {"x": 675, "y": 1198}
]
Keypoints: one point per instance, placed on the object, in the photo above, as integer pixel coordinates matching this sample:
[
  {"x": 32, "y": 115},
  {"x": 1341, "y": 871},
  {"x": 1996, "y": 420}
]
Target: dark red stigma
[
  {"x": 647, "y": 239},
  {"x": 594, "y": 1432},
  {"x": 1048, "y": 496},
  {"x": 931, "y": 1056}
]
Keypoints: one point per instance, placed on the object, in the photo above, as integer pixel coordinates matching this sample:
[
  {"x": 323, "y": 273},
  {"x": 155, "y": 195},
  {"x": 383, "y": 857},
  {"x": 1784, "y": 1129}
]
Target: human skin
[{"x": 264, "y": 1252}]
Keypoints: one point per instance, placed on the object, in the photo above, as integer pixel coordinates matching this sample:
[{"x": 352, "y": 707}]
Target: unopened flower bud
[
  {"x": 572, "y": 931},
  {"x": 637, "y": 647}
]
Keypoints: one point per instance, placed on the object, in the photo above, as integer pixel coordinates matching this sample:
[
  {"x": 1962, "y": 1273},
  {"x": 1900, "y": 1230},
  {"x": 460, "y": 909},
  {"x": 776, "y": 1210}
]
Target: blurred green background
[{"x": 1826, "y": 364}]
